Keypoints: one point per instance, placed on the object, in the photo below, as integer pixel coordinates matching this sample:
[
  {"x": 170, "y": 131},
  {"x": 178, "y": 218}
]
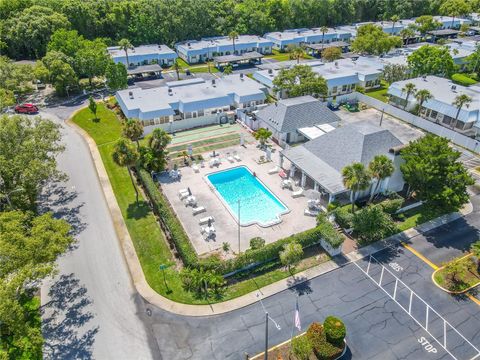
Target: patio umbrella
[
  {"x": 214, "y": 153},
  {"x": 189, "y": 192}
]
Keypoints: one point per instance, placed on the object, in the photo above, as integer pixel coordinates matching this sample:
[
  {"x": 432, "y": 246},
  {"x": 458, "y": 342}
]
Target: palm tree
[
  {"x": 323, "y": 30},
  {"x": 233, "y": 35},
  {"x": 297, "y": 52},
  {"x": 422, "y": 96},
  {"x": 262, "y": 135},
  {"x": 228, "y": 70},
  {"x": 125, "y": 154},
  {"x": 133, "y": 129},
  {"x": 394, "y": 19},
  {"x": 380, "y": 168},
  {"x": 158, "y": 141},
  {"x": 355, "y": 178},
  {"x": 125, "y": 45},
  {"x": 176, "y": 66},
  {"x": 409, "y": 89},
  {"x": 459, "y": 102}
]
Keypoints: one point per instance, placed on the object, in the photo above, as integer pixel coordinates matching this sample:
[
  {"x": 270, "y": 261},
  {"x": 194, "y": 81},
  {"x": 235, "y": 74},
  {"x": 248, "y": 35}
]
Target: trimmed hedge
[
  {"x": 463, "y": 79},
  {"x": 328, "y": 232},
  {"x": 344, "y": 217},
  {"x": 335, "y": 330},
  {"x": 391, "y": 206},
  {"x": 171, "y": 225},
  {"x": 322, "y": 348}
]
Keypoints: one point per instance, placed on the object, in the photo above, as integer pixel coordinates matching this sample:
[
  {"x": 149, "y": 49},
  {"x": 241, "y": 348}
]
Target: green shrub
[
  {"x": 301, "y": 347},
  {"x": 463, "y": 79},
  {"x": 257, "y": 243},
  {"x": 332, "y": 206},
  {"x": 328, "y": 232},
  {"x": 371, "y": 224},
  {"x": 315, "y": 334},
  {"x": 335, "y": 330},
  {"x": 391, "y": 206},
  {"x": 344, "y": 217},
  {"x": 322, "y": 349},
  {"x": 171, "y": 225}
]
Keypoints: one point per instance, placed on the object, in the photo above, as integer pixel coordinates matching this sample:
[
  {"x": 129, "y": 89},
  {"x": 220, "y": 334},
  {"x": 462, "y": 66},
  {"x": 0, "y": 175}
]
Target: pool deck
[{"x": 225, "y": 224}]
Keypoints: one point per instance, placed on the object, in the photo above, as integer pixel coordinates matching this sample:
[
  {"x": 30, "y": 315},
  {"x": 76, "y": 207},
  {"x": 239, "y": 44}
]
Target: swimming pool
[{"x": 257, "y": 203}]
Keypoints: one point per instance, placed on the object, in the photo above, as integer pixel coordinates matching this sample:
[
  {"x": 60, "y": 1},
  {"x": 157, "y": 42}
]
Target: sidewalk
[{"x": 161, "y": 302}]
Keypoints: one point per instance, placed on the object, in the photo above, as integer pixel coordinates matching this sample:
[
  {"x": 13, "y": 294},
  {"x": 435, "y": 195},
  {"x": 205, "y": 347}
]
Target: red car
[{"x": 26, "y": 109}]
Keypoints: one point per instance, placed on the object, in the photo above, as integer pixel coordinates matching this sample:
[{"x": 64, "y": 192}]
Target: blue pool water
[{"x": 257, "y": 203}]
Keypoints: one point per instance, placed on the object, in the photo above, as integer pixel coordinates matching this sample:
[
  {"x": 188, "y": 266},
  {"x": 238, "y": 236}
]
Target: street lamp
[{"x": 267, "y": 317}]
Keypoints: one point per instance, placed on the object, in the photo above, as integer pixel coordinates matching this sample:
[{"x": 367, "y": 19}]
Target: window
[
  {"x": 334, "y": 90},
  {"x": 344, "y": 88},
  {"x": 188, "y": 115},
  {"x": 434, "y": 114},
  {"x": 201, "y": 113},
  {"x": 368, "y": 84}
]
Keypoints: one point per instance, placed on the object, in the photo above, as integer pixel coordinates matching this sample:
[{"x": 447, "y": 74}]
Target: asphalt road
[{"x": 91, "y": 310}]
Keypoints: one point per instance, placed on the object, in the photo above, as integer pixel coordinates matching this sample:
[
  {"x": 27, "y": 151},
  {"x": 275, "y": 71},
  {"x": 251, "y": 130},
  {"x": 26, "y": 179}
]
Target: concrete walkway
[{"x": 161, "y": 302}]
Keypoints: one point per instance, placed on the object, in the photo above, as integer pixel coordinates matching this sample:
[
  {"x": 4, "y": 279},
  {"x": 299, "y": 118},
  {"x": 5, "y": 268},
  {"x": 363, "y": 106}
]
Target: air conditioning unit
[
  {"x": 213, "y": 82},
  {"x": 170, "y": 92},
  {"x": 130, "y": 94},
  {"x": 241, "y": 76}
]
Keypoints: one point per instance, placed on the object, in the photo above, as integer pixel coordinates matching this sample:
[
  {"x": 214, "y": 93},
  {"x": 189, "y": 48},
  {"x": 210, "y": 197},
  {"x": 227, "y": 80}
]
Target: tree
[
  {"x": 455, "y": 8},
  {"x": 91, "y": 59},
  {"x": 7, "y": 98},
  {"x": 433, "y": 172},
  {"x": 257, "y": 243},
  {"x": 380, "y": 168},
  {"x": 431, "y": 60},
  {"x": 394, "y": 19},
  {"x": 296, "y": 52},
  {"x": 228, "y": 70},
  {"x": 331, "y": 54},
  {"x": 66, "y": 41},
  {"x": 28, "y": 150},
  {"x": 356, "y": 179},
  {"x": 408, "y": 89},
  {"x": 154, "y": 156},
  {"x": 456, "y": 270},
  {"x": 233, "y": 35},
  {"x": 126, "y": 155},
  {"x": 300, "y": 80},
  {"x": 323, "y": 30},
  {"x": 291, "y": 254},
  {"x": 262, "y": 135},
  {"x": 55, "y": 69},
  {"x": 92, "y": 105},
  {"x": 426, "y": 23},
  {"x": 31, "y": 244},
  {"x": 15, "y": 78},
  {"x": 372, "y": 224},
  {"x": 473, "y": 60},
  {"x": 133, "y": 129},
  {"x": 176, "y": 66},
  {"x": 406, "y": 33},
  {"x": 421, "y": 96},
  {"x": 27, "y": 33},
  {"x": 371, "y": 39},
  {"x": 395, "y": 72},
  {"x": 116, "y": 75},
  {"x": 125, "y": 45},
  {"x": 459, "y": 102}
]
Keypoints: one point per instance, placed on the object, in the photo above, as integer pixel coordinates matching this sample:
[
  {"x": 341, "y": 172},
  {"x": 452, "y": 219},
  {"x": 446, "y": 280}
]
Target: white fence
[{"x": 417, "y": 121}]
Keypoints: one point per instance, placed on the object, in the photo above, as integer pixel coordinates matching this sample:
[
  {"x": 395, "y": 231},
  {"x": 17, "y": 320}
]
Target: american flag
[{"x": 298, "y": 325}]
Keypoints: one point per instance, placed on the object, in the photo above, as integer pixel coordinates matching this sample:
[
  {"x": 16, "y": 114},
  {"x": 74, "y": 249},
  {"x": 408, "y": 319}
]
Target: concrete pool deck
[{"x": 225, "y": 224}]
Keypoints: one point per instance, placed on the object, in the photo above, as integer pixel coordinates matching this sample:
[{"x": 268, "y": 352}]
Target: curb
[
  {"x": 450, "y": 291},
  {"x": 154, "y": 298}
]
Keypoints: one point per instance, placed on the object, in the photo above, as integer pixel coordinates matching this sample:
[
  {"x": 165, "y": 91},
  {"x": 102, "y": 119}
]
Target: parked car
[{"x": 26, "y": 109}]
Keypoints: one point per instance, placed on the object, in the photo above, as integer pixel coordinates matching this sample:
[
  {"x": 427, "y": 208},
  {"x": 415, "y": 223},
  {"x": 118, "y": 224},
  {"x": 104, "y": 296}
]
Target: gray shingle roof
[
  {"x": 291, "y": 114},
  {"x": 324, "y": 158}
]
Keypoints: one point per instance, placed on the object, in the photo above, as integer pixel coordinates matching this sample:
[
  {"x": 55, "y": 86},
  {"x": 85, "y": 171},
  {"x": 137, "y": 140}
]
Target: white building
[
  {"x": 281, "y": 39},
  {"x": 143, "y": 55},
  {"x": 440, "y": 108},
  {"x": 191, "y": 103}
]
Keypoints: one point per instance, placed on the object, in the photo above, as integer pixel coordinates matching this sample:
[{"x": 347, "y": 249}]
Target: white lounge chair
[
  {"x": 198, "y": 210},
  {"x": 311, "y": 212},
  {"x": 236, "y": 157},
  {"x": 195, "y": 168},
  {"x": 205, "y": 220},
  {"x": 274, "y": 170},
  {"x": 287, "y": 184},
  {"x": 191, "y": 201},
  {"x": 297, "y": 193},
  {"x": 230, "y": 158},
  {"x": 183, "y": 193}
]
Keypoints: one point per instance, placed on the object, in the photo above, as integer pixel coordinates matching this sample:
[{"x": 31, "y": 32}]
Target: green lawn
[
  {"x": 379, "y": 93},
  {"x": 148, "y": 239},
  {"x": 283, "y": 56},
  {"x": 417, "y": 216}
]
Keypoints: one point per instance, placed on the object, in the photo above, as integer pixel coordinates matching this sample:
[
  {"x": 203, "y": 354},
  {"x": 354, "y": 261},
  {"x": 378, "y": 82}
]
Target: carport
[{"x": 248, "y": 58}]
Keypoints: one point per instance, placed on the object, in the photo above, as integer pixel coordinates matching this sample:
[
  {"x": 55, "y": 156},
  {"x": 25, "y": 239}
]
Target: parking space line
[
  {"x": 420, "y": 256},
  {"x": 443, "y": 343}
]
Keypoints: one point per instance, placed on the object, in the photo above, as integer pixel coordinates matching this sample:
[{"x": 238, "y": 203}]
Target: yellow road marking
[
  {"x": 420, "y": 256},
  {"x": 474, "y": 299}
]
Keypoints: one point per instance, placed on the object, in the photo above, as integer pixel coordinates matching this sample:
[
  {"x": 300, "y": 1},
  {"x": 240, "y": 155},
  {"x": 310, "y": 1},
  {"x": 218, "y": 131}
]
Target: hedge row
[
  {"x": 168, "y": 218},
  {"x": 328, "y": 232}
]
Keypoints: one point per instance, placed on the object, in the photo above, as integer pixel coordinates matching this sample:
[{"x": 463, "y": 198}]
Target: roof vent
[
  {"x": 454, "y": 88},
  {"x": 213, "y": 82},
  {"x": 160, "y": 47},
  {"x": 270, "y": 71},
  {"x": 424, "y": 77},
  {"x": 336, "y": 64},
  {"x": 241, "y": 76},
  {"x": 170, "y": 91},
  {"x": 130, "y": 94}
]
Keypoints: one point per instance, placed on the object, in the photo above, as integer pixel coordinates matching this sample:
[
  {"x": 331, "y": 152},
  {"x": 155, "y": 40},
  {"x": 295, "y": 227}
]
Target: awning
[
  {"x": 443, "y": 32},
  {"x": 226, "y": 59},
  {"x": 144, "y": 69},
  {"x": 340, "y": 44}
]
